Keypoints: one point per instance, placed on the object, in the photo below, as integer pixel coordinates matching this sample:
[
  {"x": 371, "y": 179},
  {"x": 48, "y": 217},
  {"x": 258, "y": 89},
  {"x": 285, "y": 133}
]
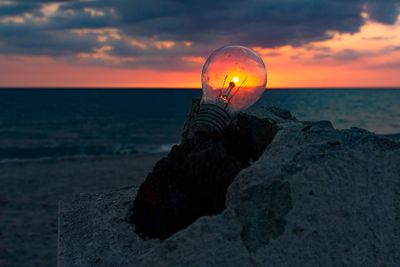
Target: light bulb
[{"x": 233, "y": 78}]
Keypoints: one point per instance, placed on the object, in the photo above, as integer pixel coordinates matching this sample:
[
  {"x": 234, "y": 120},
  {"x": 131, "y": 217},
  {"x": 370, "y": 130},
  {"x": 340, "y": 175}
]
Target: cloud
[
  {"x": 348, "y": 54},
  {"x": 158, "y": 32},
  {"x": 386, "y": 11},
  {"x": 392, "y": 65}
]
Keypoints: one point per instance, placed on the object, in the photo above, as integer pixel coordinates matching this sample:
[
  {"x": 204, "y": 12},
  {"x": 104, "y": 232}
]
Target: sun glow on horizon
[{"x": 369, "y": 58}]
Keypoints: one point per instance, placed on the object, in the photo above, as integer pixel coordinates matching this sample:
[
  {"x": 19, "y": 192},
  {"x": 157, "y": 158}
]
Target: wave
[{"x": 17, "y": 154}]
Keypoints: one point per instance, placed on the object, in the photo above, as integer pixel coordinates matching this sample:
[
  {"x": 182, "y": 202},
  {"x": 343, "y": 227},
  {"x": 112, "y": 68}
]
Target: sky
[{"x": 164, "y": 43}]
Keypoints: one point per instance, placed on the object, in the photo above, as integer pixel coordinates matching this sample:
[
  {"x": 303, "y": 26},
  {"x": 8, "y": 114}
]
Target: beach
[{"x": 30, "y": 192}]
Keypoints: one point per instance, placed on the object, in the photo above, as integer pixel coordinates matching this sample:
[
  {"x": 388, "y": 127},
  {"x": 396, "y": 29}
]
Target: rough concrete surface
[{"x": 316, "y": 197}]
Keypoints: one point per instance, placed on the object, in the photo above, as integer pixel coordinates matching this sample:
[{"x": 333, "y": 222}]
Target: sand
[{"x": 30, "y": 192}]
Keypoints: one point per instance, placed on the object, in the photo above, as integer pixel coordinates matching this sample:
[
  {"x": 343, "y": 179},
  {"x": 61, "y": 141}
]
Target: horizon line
[{"x": 185, "y": 88}]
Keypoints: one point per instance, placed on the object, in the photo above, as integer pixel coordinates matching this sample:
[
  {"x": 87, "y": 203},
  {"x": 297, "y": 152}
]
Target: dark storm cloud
[
  {"x": 264, "y": 23},
  {"x": 50, "y": 43},
  {"x": 10, "y": 10},
  {"x": 207, "y": 24},
  {"x": 384, "y": 11},
  {"x": 254, "y": 22}
]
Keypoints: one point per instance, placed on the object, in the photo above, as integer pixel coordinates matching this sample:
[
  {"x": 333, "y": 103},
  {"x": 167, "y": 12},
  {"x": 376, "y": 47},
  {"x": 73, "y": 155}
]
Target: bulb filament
[{"x": 226, "y": 96}]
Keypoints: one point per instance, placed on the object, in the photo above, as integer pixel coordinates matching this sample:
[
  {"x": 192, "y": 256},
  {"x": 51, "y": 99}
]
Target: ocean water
[{"x": 52, "y": 123}]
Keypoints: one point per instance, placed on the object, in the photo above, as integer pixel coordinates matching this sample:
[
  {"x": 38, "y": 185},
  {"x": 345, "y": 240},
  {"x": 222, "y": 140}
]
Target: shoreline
[
  {"x": 30, "y": 193},
  {"x": 31, "y": 189},
  {"x": 395, "y": 135},
  {"x": 84, "y": 157},
  {"x": 75, "y": 158}
]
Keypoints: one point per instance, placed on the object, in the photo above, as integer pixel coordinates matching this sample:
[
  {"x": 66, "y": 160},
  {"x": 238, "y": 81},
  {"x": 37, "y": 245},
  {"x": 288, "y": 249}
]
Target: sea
[{"x": 37, "y": 124}]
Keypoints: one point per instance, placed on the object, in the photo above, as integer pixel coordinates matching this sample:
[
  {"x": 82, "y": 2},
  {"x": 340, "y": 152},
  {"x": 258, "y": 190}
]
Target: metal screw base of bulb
[{"x": 211, "y": 120}]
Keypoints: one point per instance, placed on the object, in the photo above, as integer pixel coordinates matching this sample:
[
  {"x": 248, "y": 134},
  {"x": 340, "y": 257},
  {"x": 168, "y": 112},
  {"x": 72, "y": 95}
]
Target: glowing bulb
[{"x": 233, "y": 79}]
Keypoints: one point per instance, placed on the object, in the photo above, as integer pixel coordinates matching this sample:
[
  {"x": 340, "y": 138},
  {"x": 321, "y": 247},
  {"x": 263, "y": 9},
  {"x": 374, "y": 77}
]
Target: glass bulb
[{"x": 233, "y": 78}]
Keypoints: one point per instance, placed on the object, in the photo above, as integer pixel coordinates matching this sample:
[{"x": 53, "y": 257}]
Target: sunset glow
[
  {"x": 110, "y": 56},
  {"x": 220, "y": 127}
]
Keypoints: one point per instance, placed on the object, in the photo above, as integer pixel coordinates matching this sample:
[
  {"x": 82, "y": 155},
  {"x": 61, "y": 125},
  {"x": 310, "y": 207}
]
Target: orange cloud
[
  {"x": 354, "y": 60},
  {"x": 164, "y": 44},
  {"x": 369, "y": 58}
]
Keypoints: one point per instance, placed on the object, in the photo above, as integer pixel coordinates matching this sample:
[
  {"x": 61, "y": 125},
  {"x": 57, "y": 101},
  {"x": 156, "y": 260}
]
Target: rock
[
  {"x": 316, "y": 197},
  {"x": 93, "y": 230},
  {"x": 187, "y": 131},
  {"x": 192, "y": 180}
]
